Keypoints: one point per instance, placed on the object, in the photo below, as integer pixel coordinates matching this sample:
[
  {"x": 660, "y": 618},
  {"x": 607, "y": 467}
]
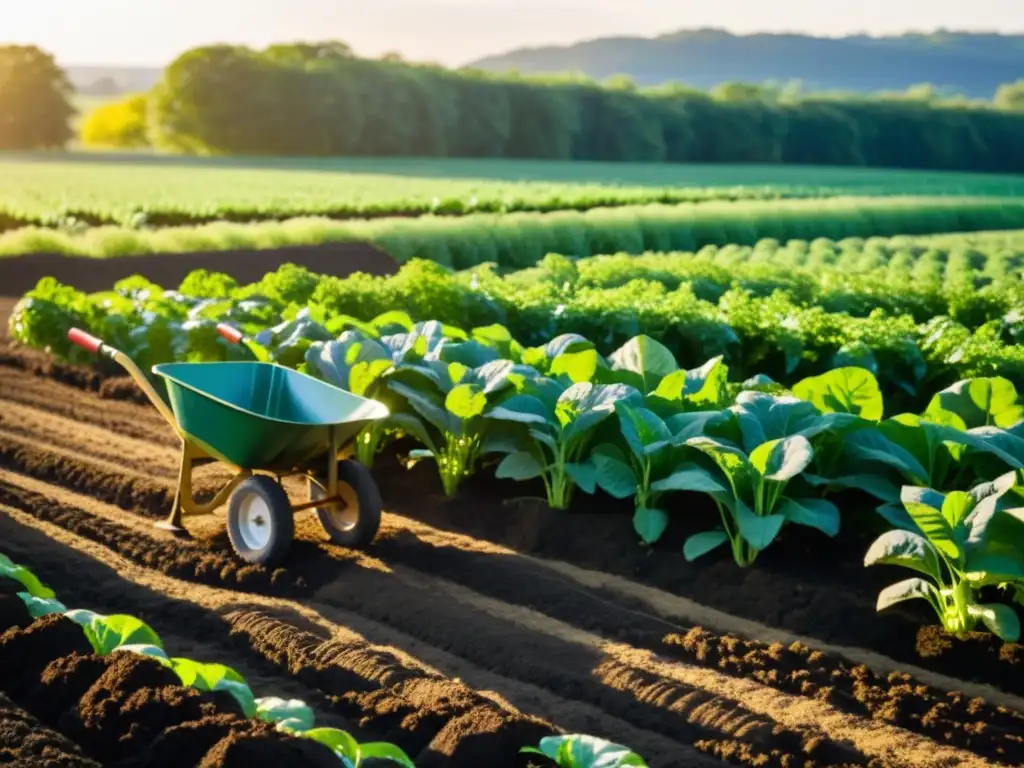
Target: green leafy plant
[
  {"x": 753, "y": 501},
  {"x": 956, "y": 545},
  {"x": 451, "y": 400},
  {"x": 108, "y": 633},
  {"x": 556, "y": 425},
  {"x": 652, "y": 464},
  {"x": 352, "y": 753},
  {"x": 581, "y": 751},
  {"x": 25, "y": 577}
]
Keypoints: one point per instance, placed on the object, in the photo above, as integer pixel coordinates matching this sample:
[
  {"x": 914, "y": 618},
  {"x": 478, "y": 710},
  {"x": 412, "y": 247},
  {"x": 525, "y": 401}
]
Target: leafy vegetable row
[
  {"x": 107, "y": 634},
  {"x": 772, "y": 334},
  {"x": 516, "y": 240}
]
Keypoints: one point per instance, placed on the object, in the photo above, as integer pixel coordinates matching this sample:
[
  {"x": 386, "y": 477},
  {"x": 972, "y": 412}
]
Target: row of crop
[
  {"x": 950, "y": 481},
  {"x": 773, "y": 334},
  {"x": 128, "y": 634},
  {"x": 139, "y": 217},
  {"x": 635, "y": 425},
  {"x": 970, "y": 286},
  {"x": 521, "y": 239}
]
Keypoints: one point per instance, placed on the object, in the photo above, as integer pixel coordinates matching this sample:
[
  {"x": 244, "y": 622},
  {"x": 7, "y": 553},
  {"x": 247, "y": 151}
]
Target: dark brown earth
[
  {"x": 462, "y": 648},
  {"x": 19, "y": 274}
]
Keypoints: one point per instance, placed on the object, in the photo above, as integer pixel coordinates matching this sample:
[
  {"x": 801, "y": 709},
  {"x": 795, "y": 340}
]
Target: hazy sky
[{"x": 449, "y": 31}]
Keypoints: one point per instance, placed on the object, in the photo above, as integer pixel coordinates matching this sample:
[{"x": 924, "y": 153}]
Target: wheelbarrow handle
[
  {"x": 86, "y": 341},
  {"x": 90, "y": 343},
  {"x": 230, "y": 333}
]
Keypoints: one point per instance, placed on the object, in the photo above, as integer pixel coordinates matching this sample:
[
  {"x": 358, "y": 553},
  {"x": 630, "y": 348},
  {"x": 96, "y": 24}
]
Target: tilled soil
[{"x": 462, "y": 649}]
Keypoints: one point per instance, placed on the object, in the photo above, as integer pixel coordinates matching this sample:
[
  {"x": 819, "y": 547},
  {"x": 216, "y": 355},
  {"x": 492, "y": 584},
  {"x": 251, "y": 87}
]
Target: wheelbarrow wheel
[
  {"x": 260, "y": 522},
  {"x": 354, "y": 523}
]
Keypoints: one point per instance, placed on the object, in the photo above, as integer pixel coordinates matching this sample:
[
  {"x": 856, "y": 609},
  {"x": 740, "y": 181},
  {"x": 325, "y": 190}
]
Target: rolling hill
[{"x": 972, "y": 64}]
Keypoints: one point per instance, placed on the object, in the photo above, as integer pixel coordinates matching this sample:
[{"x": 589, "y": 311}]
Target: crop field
[
  {"x": 157, "y": 191},
  {"x": 668, "y": 499},
  {"x": 696, "y": 465}
]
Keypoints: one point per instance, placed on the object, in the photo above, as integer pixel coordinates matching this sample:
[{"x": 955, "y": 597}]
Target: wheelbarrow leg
[{"x": 173, "y": 522}]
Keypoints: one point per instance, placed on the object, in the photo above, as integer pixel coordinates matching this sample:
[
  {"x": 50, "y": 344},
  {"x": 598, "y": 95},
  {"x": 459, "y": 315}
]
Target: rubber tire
[
  {"x": 282, "y": 521},
  {"x": 367, "y": 494}
]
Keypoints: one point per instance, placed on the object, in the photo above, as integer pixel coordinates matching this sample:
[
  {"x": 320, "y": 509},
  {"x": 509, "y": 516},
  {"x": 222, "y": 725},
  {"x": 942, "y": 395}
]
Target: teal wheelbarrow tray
[{"x": 266, "y": 422}]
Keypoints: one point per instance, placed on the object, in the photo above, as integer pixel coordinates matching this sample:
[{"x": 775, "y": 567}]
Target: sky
[{"x": 451, "y": 32}]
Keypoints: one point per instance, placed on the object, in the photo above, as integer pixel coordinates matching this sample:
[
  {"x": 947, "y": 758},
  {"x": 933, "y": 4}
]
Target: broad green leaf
[
  {"x": 991, "y": 568},
  {"x": 111, "y": 632},
  {"x": 814, "y": 513},
  {"x": 648, "y": 360},
  {"x": 758, "y": 530},
  {"x": 935, "y": 527},
  {"x": 466, "y": 401},
  {"x": 979, "y": 402},
  {"x": 876, "y": 485},
  {"x": 580, "y": 751},
  {"x": 684, "y": 426},
  {"x": 689, "y": 477},
  {"x": 764, "y": 417},
  {"x": 956, "y": 506},
  {"x": 577, "y": 366},
  {"x": 336, "y": 740},
  {"x": 426, "y": 405},
  {"x": 700, "y": 386},
  {"x": 38, "y": 607},
  {"x": 906, "y": 548},
  {"x": 380, "y": 750},
  {"x": 584, "y": 475},
  {"x": 1001, "y": 620},
  {"x": 650, "y": 523},
  {"x": 872, "y": 445},
  {"x": 700, "y": 544},
  {"x": 519, "y": 466},
  {"x": 641, "y": 427},
  {"x": 782, "y": 460},
  {"x": 290, "y": 714},
  {"x": 26, "y": 578},
  {"x": 525, "y": 409},
  {"x": 614, "y": 476},
  {"x": 365, "y": 375},
  {"x": 843, "y": 390},
  {"x": 909, "y": 589}
]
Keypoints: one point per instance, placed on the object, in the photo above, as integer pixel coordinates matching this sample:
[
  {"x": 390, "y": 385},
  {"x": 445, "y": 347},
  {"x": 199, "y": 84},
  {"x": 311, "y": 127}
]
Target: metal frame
[{"x": 192, "y": 454}]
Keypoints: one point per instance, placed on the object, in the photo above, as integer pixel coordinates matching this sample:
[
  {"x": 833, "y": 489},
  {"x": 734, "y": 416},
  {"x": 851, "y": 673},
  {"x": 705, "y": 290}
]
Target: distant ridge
[
  {"x": 113, "y": 80},
  {"x": 972, "y": 64}
]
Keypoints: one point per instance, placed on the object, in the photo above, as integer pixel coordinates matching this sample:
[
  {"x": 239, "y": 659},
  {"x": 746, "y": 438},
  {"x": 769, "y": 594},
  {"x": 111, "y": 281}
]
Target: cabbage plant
[
  {"x": 581, "y": 751},
  {"x": 556, "y": 423},
  {"x": 961, "y": 542}
]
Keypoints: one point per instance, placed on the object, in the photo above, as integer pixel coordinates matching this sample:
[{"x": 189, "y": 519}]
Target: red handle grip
[
  {"x": 229, "y": 333},
  {"x": 84, "y": 340}
]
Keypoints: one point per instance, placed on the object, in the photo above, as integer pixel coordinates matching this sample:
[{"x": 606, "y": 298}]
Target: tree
[
  {"x": 35, "y": 99},
  {"x": 120, "y": 124},
  {"x": 1011, "y": 96}
]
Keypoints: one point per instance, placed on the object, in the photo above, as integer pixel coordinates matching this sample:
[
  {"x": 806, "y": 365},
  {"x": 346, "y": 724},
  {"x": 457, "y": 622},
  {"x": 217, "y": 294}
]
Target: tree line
[{"x": 317, "y": 99}]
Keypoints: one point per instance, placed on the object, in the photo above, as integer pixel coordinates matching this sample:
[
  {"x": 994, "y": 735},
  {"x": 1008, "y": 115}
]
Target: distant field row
[
  {"x": 521, "y": 239},
  {"x": 141, "y": 190}
]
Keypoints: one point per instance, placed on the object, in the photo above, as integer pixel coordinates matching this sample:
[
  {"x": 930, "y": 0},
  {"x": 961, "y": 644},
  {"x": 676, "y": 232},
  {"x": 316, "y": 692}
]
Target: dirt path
[{"x": 582, "y": 650}]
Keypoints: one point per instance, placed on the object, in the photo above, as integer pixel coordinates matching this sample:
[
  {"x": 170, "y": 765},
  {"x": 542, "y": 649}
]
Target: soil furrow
[
  {"x": 324, "y": 656},
  {"x": 950, "y": 718},
  {"x": 26, "y": 742}
]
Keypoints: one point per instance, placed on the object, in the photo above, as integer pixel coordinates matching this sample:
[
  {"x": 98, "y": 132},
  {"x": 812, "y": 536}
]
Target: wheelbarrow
[{"x": 266, "y": 422}]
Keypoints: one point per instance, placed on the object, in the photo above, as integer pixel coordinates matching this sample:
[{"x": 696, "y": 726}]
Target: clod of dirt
[
  {"x": 186, "y": 744},
  {"x": 25, "y": 653},
  {"x": 25, "y": 742},
  {"x": 977, "y": 656},
  {"x": 264, "y": 747},
  {"x": 64, "y": 681},
  {"x": 481, "y": 737},
  {"x": 412, "y": 712},
  {"x": 132, "y": 702}
]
